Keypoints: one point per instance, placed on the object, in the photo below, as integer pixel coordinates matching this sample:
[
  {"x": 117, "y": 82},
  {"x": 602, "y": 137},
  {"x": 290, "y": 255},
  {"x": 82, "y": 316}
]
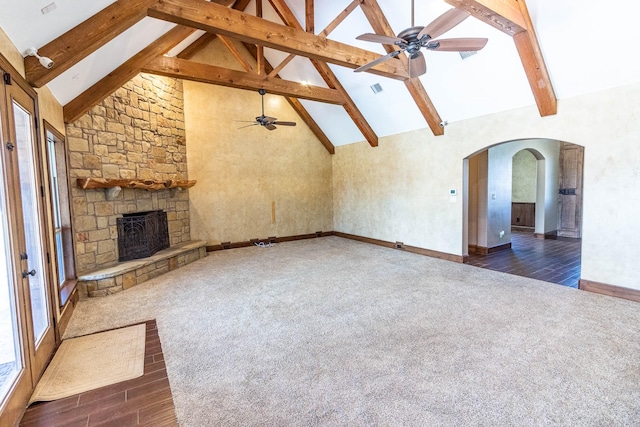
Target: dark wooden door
[{"x": 570, "y": 197}]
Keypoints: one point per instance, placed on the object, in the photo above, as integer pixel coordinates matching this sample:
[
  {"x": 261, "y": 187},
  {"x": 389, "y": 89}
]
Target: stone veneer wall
[{"x": 137, "y": 132}]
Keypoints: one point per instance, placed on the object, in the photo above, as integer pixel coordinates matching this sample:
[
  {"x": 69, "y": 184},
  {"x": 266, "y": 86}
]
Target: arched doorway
[{"x": 488, "y": 207}]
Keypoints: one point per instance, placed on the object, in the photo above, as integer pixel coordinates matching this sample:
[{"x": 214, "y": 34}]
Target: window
[{"x": 64, "y": 259}]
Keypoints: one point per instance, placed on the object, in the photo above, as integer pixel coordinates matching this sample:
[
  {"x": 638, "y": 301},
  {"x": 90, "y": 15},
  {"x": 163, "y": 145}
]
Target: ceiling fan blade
[
  {"x": 270, "y": 126},
  {"x": 284, "y": 123},
  {"x": 246, "y": 126},
  {"x": 379, "y": 60},
  {"x": 417, "y": 65},
  {"x": 378, "y": 38},
  {"x": 458, "y": 45},
  {"x": 444, "y": 23}
]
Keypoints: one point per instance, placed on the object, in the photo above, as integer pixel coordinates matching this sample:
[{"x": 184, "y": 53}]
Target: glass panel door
[
  {"x": 30, "y": 251},
  {"x": 11, "y": 361},
  {"x": 35, "y": 266}
]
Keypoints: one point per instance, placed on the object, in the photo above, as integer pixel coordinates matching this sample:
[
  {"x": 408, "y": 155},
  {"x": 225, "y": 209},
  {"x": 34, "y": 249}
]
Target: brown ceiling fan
[
  {"x": 266, "y": 121},
  {"x": 414, "y": 38}
]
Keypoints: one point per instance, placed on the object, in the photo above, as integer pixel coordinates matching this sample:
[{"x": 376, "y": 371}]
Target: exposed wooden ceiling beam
[
  {"x": 206, "y": 38},
  {"x": 281, "y": 65},
  {"x": 189, "y": 70},
  {"x": 118, "y": 77},
  {"x": 380, "y": 25},
  {"x": 260, "y": 52},
  {"x": 535, "y": 66},
  {"x": 196, "y": 46},
  {"x": 84, "y": 39},
  {"x": 224, "y": 2},
  {"x": 505, "y": 15},
  {"x": 241, "y": 5},
  {"x": 329, "y": 77},
  {"x": 214, "y": 18},
  {"x": 310, "y": 16},
  {"x": 338, "y": 19},
  {"x": 512, "y": 17},
  {"x": 231, "y": 47}
]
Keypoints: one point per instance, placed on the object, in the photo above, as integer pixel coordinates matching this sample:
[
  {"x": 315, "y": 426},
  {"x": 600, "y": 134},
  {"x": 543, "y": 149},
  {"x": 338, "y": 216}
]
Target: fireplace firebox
[{"x": 142, "y": 234}]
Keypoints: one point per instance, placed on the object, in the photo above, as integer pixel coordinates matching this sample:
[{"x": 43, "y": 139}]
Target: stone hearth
[{"x": 125, "y": 275}]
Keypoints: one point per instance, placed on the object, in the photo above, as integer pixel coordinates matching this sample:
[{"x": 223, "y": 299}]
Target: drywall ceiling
[{"x": 578, "y": 58}]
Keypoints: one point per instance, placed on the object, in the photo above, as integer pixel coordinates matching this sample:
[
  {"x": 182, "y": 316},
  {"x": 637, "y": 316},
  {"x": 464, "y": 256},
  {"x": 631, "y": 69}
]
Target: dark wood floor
[
  {"x": 555, "y": 261},
  {"x": 143, "y": 401}
]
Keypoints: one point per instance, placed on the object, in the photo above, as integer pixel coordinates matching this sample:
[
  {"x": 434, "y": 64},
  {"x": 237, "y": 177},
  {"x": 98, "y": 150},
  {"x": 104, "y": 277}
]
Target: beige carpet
[
  {"x": 89, "y": 362},
  {"x": 332, "y": 332}
]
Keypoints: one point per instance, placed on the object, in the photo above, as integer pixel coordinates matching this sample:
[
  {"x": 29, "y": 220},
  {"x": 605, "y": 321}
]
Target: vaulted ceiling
[{"x": 537, "y": 53}]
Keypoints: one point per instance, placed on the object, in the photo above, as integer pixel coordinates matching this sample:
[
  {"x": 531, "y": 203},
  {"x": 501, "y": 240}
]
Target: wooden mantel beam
[
  {"x": 512, "y": 17},
  {"x": 188, "y": 70},
  {"x": 218, "y": 19}
]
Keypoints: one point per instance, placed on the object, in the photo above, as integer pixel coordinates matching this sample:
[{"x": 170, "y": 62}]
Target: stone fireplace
[{"x": 137, "y": 134}]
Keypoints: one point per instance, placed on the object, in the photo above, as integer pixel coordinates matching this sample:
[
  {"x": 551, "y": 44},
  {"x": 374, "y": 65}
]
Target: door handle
[
  {"x": 24, "y": 256},
  {"x": 28, "y": 273}
]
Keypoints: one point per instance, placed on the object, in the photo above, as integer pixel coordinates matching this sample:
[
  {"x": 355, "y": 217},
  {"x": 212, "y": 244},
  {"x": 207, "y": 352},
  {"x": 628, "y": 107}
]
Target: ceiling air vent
[
  {"x": 48, "y": 8},
  {"x": 376, "y": 88}
]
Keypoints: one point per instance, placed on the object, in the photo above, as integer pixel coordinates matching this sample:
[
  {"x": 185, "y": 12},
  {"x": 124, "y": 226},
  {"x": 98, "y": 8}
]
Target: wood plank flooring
[
  {"x": 143, "y": 401},
  {"x": 552, "y": 260}
]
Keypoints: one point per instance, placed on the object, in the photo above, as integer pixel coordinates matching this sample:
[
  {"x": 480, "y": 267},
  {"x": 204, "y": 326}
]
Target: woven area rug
[{"x": 92, "y": 361}]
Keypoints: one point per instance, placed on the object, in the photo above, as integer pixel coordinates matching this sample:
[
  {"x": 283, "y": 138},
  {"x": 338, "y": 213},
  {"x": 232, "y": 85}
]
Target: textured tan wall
[
  {"x": 240, "y": 172},
  {"x": 524, "y": 178},
  {"x": 399, "y": 190},
  {"x": 11, "y": 53}
]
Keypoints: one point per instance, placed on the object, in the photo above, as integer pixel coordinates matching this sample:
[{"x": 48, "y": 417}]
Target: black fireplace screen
[{"x": 142, "y": 234}]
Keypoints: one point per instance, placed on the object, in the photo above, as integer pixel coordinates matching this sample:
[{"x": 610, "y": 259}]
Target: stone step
[{"x": 124, "y": 275}]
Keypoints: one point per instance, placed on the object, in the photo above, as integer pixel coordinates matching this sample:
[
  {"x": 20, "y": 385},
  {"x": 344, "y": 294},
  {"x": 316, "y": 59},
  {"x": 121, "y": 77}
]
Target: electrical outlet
[{"x": 501, "y": 234}]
